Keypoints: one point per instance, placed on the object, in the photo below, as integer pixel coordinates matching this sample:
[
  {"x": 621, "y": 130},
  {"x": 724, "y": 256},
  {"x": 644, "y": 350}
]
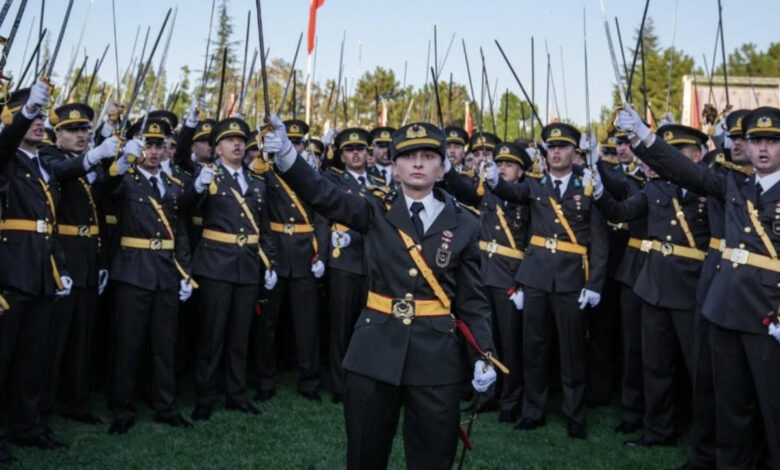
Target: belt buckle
[
  {"x": 155, "y": 244},
  {"x": 241, "y": 239},
  {"x": 722, "y": 246},
  {"x": 83, "y": 230},
  {"x": 551, "y": 244},
  {"x": 646, "y": 246},
  {"x": 288, "y": 229},
  {"x": 403, "y": 310},
  {"x": 491, "y": 248},
  {"x": 739, "y": 256},
  {"x": 41, "y": 226},
  {"x": 667, "y": 249}
]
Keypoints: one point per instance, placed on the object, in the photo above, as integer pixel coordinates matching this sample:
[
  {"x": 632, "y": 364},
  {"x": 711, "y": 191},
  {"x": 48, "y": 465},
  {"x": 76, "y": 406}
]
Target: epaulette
[
  {"x": 390, "y": 197},
  {"x": 260, "y": 166},
  {"x": 378, "y": 180},
  {"x": 534, "y": 175},
  {"x": 641, "y": 179},
  {"x": 174, "y": 179},
  {"x": 336, "y": 170},
  {"x": 469, "y": 173},
  {"x": 381, "y": 190},
  {"x": 255, "y": 175},
  {"x": 473, "y": 210},
  {"x": 720, "y": 159},
  {"x": 610, "y": 160}
]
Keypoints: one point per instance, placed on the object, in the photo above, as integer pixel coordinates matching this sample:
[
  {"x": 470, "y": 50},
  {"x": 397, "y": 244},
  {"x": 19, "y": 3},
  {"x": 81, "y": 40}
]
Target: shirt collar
[
  {"x": 29, "y": 155},
  {"x": 146, "y": 174},
  {"x": 165, "y": 166},
  {"x": 428, "y": 202},
  {"x": 357, "y": 175},
  {"x": 564, "y": 181},
  {"x": 768, "y": 181},
  {"x": 230, "y": 171}
]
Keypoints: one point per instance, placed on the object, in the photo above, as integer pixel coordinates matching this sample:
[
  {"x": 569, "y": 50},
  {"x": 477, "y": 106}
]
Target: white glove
[
  {"x": 318, "y": 269},
  {"x": 39, "y": 96},
  {"x": 102, "y": 280},
  {"x": 491, "y": 174},
  {"x": 774, "y": 330},
  {"x": 720, "y": 128},
  {"x": 589, "y": 176},
  {"x": 133, "y": 147},
  {"x": 484, "y": 376},
  {"x": 67, "y": 284},
  {"x": 629, "y": 121},
  {"x": 106, "y": 149},
  {"x": 588, "y": 297},
  {"x": 340, "y": 239},
  {"x": 517, "y": 298},
  {"x": 191, "y": 119},
  {"x": 447, "y": 165},
  {"x": 727, "y": 142},
  {"x": 185, "y": 290},
  {"x": 270, "y": 279},
  {"x": 327, "y": 139},
  {"x": 276, "y": 141},
  {"x": 205, "y": 178}
]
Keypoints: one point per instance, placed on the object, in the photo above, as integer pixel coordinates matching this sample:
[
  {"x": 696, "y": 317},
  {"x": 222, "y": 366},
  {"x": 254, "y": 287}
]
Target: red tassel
[
  {"x": 466, "y": 332},
  {"x": 465, "y": 438},
  {"x": 258, "y": 309}
]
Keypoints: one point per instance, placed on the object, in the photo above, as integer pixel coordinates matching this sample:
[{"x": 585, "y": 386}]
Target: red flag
[
  {"x": 467, "y": 123},
  {"x": 313, "y": 5}
]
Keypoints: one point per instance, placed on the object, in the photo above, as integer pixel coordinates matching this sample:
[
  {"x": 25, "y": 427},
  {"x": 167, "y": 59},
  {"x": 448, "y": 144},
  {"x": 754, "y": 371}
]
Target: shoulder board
[
  {"x": 468, "y": 173},
  {"x": 533, "y": 175},
  {"x": 468, "y": 208},
  {"x": 255, "y": 176},
  {"x": 610, "y": 160},
  {"x": 379, "y": 181},
  {"x": 390, "y": 197},
  {"x": 636, "y": 177},
  {"x": 336, "y": 170},
  {"x": 745, "y": 170},
  {"x": 378, "y": 189},
  {"x": 178, "y": 168},
  {"x": 174, "y": 179}
]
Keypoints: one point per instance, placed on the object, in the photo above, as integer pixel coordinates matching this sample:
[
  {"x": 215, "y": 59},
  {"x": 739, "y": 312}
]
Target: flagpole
[{"x": 308, "y": 87}]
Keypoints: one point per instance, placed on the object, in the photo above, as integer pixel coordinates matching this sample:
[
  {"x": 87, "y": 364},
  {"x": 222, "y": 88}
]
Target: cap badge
[
  {"x": 206, "y": 127},
  {"x": 504, "y": 150},
  {"x": 764, "y": 121},
  {"x": 453, "y": 134},
  {"x": 154, "y": 128},
  {"x": 295, "y": 128},
  {"x": 555, "y": 132},
  {"x": 668, "y": 135},
  {"x": 385, "y": 135},
  {"x": 415, "y": 132},
  {"x": 234, "y": 126},
  {"x": 75, "y": 114},
  {"x": 354, "y": 136}
]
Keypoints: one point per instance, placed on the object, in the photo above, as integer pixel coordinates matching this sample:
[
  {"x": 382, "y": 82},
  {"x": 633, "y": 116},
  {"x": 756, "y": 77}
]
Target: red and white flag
[
  {"x": 313, "y": 5},
  {"x": 468, "y": 124}
]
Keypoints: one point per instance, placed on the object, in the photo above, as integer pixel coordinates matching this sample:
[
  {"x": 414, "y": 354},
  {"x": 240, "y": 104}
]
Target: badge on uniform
[
  {"x": 443, "y": 253},
  {"x": 776, "y": 227}
]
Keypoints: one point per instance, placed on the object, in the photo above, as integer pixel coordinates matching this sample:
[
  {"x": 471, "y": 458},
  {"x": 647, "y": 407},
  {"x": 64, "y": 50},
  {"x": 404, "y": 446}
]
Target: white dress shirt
[
  {"x": 239, "y": 177},
  {"x": 768, "y": 181},
  {"x": 564, "y": 182},
  {"x": 432, "y": 207},
  {"x": 148, "y": 175},
  {"x": 44, "y": 173}
]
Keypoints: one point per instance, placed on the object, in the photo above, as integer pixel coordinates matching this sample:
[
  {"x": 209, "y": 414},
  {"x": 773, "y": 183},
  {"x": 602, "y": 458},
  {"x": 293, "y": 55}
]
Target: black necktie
[
  {"x": 361, "y": 180},
  {"x": 384, "y": 174},
  {"x": 759, "y": 192},
  {"x": 37, "y": 165},
  {"x": 418, "y": 225},
  {"x": 557, "y": 184},
  {"x": 153, "y": 182}
]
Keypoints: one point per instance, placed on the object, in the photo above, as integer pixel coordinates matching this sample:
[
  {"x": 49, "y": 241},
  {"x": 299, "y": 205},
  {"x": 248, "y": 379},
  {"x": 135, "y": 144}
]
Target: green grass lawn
[{"x": 293, "y": 433}]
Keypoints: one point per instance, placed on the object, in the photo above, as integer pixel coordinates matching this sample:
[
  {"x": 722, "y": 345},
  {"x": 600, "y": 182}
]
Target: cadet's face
[
  {"x": 692, "y": 152},
  {"x": 765, "y": 155},
  {"x": 354, "y": 158},
  {"x": 202, "y": 150},
  {"x": 455, "y": 152},
  {"x": 418, "y": 169},
  {"x": 481, "y": 155},
  {"x": 509, "y": 171},
  {"x": 739, "y": 152},
  {"x": 250, "y": 156},
  {"x": 624, "y": 152},
  {"x": 35, "y": 133},
  {"x": 298, "y": 146},
  {"x": 370, "y": 159},
  {"x": 74, "y": 140},
  {"x": 170, "y": 148},
  {"x": 560, "y": 158},
  {"x": 381, "y": 153},
  {"x": 231, "y": 149},
  {"x": 153, "y": 153},
  {"x": 468, "y": 161}
]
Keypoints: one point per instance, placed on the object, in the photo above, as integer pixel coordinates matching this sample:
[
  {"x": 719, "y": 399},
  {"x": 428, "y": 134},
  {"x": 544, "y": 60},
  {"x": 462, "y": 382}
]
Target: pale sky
[{"x": 389, "y": 32}]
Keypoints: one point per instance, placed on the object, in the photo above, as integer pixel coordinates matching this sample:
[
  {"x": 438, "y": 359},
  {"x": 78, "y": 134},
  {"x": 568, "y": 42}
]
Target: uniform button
[
  {"x": 407, "y": 321},
  {"x": 419, "y": 247},
  {"x": 673, "y": 222},
  {"x": 241, "y": 230},
  {"x": 292, "y": 205},
  {"x": 668, "y": 238},
  {"x": 748, "y": 229},
  {"x": 557, "y": 221},
  {"x": 657, "y": 201},
  {"x": 741, "y": 246},
  {"x": 159, "y": 219},
  {"x": 157, "y": 234},
  {"x": 498, "y": 227},
  {"x": 408, "y": 296},
  {"x": 368, "y": 320},
  {"x": 292, "y": 219},
  {"x": 242, "y": 214},
  {"x": 413, "y": 272}
]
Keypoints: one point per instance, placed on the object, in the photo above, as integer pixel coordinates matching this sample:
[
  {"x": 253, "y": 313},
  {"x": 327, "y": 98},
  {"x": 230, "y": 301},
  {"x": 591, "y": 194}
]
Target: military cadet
[
  {"x": 252, "y": 150},
  {"x": 149, "y": 270},
  {"x": 677, "y": 237},
  {"x": 29, "y": 194},
  {"x": 296, "y": 131},
  {"x": 422, "y": 260},
  {"x": 730, "y": 156},
  {"x": 235, "y": 252},
  {"x": 346, "y": 274},
  {"x": 457, "y": 138},
  {"x": 72, "y": 324},
  {"x": 316, "y": 148},
  {"x": 481, "y": 145},
  {"x": 380, "y": 140},
  {"x": 743, "y": 301},
  {"x": 622, "y": 182},
  {"x": 302, "y": 238},
  {"x": 562, "y": 273},
  {"x": 503, "y": 237}
]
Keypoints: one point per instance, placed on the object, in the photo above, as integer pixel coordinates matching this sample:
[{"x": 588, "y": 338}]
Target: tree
[{"x": 747, "y": 61}]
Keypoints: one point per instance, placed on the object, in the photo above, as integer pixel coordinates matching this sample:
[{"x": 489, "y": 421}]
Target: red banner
[{"x": 313, "y": 5}]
